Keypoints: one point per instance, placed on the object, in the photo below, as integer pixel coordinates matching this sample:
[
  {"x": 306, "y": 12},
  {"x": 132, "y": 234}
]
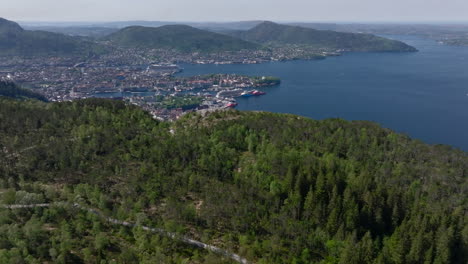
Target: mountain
[
  {"x": 9, "y": 89},
  {"x": 277, "y": 34},
  {"x": 9, "y": 27},
  {"x": 272, "y": 188},
  {"x": 180, "y": 37},
  {"x": 14, "y": 40}
]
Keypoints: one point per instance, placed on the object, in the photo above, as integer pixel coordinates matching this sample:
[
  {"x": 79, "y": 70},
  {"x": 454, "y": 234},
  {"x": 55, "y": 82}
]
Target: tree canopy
[{"x": 273, "y": 188}]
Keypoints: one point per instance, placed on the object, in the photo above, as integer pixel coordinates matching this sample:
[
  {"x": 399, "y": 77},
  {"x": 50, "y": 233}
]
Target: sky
[{"x": 237, "y": 10}]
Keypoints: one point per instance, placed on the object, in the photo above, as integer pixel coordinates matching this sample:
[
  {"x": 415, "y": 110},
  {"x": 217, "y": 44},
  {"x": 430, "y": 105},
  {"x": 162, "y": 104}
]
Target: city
[{"x": 125, "y": 77}]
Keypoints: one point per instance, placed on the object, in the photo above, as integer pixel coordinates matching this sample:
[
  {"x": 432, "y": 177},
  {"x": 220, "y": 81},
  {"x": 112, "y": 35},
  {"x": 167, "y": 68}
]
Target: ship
[
  {"x": 246, "y": 94},
  {"x": 252, "y": 93},
  {"x": 256, "y": 92},
  {"x": 231, "y": 105}
]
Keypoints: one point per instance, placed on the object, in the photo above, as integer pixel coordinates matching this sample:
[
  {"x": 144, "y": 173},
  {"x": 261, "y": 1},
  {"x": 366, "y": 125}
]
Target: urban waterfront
[{"x": 423, "y": 94}]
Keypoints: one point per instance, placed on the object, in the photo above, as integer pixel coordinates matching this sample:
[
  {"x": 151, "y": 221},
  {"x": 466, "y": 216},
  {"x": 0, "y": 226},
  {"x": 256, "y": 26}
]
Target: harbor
[{"x": 202, "y": 93}]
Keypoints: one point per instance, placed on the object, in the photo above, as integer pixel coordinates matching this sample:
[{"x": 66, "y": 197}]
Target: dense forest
[{"x": 272, "y": 188}]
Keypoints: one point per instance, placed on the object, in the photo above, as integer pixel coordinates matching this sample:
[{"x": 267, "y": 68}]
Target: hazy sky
[{"x": 235, "y": 10}]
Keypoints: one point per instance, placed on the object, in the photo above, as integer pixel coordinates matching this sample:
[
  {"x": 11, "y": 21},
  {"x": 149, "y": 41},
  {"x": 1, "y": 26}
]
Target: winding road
[{"x": 114, "y": 221}]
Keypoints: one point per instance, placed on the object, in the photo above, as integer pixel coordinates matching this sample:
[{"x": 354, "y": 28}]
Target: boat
[
  {"x": 252, "y": 93},
  {"x": 256, "y": 92},
  {"x": 231, "y": 105},
  {"x": 246, "y": 94}
]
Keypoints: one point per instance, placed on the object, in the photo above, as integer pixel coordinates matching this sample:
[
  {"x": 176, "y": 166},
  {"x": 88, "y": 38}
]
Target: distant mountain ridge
[
  {"x": 270, "y": 33},
  {"x": 234, "y": 25},
  {"x": 180, "y": 37},
  {"x": 14, "y": 40}
]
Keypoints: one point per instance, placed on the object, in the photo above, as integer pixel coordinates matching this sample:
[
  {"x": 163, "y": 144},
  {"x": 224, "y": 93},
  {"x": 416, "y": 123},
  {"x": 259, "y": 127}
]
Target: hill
[
  {"x": 11, "y": 90},
  {"x": 273, "y": 188},
  {"x": 275, "y": 34},
  {"x": 180, "y": 37},
  {"x": 9, "y": 27},
  {"x": 16, "y": 41}
]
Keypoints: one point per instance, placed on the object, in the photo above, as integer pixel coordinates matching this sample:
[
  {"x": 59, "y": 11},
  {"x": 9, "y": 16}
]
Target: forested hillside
[
  {"x": 10, "y": 89},
  {"x": 273, "y": 188},
  {"x": 270, "y": 33},
  {"x": 15, "y": 41},
  {"x": 179, "y": 37}
]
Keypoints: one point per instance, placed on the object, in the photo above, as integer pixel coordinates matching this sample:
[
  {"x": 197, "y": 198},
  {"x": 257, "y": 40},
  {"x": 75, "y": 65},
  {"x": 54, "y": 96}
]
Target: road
[{"x": 114, "y": 221}]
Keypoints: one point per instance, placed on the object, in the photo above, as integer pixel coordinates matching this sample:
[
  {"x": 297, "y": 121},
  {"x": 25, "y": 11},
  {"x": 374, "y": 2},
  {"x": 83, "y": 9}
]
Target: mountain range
[{"x": 14, "y": 40}]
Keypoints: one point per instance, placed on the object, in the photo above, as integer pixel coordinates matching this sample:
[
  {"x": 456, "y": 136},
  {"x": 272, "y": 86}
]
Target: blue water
[{"x": 423, "y": 94}]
